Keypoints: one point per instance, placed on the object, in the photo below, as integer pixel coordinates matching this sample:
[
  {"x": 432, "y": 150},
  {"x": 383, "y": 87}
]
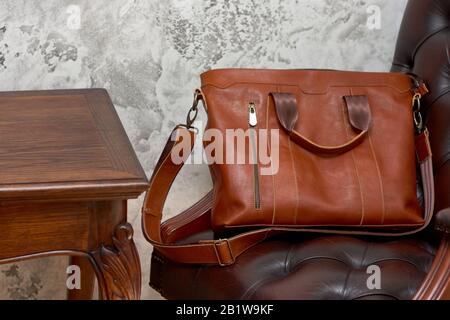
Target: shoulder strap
[{"x": 224, "y": 252}]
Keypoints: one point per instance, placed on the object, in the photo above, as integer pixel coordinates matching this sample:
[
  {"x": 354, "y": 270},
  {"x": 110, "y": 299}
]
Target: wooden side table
[{"x": 67, "y": 170}]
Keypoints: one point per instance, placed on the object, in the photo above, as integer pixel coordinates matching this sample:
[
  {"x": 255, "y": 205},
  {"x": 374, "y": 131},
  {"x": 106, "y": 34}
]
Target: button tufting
[{"x": 323, "y": 267}]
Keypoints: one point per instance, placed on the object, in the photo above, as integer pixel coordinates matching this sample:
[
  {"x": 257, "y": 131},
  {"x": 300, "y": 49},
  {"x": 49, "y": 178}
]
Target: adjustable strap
[
  {"x": 221, "y": 252},
  {"x": 224, "y": 252}
]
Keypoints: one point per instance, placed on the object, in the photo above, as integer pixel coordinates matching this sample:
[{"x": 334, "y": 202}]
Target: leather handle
[{"x": 359, "y": 114}]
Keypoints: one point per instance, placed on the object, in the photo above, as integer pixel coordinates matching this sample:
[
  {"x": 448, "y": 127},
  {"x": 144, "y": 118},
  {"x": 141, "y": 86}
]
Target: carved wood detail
[{"x": 119, "y": 267}]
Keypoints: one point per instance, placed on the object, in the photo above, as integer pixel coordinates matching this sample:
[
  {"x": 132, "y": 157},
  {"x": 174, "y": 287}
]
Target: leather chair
[{"x": 335, "y": 267}]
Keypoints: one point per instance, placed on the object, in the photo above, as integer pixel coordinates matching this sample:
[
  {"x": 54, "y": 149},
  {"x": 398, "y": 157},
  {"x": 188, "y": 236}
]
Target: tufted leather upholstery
[
  {"x": 298, "y": 268},
  {"x": 334, "y": 267}
]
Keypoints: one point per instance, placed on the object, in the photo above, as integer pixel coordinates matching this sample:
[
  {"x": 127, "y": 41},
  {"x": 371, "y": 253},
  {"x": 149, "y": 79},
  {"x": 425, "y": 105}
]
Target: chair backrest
[{"x": 423, "y": 48}]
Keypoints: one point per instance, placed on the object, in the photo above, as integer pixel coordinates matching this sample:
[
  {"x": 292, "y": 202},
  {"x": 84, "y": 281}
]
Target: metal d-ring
[
  {"x": 193, "y": 112},
  {"x": 416, "y": 102},
  {"x": 191, "y": 117},
  {"x": 418, "y": 120}
]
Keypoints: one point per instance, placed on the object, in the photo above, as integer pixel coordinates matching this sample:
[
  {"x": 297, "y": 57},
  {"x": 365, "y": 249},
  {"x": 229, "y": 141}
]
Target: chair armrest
[
  {"x": 442, "y": 205},
  {"x": 436, "y": 285},
  {"x": 442, "y": 221}
]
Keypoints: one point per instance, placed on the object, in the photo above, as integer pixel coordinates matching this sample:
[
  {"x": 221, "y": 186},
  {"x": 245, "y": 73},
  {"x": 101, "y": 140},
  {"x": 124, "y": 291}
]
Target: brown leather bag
[{"x": 349, "y": 144}]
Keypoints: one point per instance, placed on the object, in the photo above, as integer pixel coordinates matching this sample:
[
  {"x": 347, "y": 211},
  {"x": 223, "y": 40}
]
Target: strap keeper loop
[{"x": 226, "y": 258}]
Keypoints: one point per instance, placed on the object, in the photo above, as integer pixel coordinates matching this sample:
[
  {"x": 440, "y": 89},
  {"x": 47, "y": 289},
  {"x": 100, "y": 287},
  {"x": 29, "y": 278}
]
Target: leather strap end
[
  {"x": 286, "y": 109},
  {"x": 423, "y": 147},
  {"x": 359, "y": 112},
  {"x": 423, "y": 90}
]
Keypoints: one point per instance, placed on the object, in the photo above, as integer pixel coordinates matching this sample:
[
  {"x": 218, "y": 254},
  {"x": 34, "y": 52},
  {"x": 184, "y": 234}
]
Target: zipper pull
[{"x": 252, "y": 119}]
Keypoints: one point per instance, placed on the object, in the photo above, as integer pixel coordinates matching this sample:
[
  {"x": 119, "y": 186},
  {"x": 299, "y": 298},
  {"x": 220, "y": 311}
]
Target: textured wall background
[{"x": 148, "y": 54}]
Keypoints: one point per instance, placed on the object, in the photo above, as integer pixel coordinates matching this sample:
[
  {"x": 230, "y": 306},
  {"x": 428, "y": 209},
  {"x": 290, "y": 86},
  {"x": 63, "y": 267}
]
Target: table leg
[{"x": 118, "y": 267}]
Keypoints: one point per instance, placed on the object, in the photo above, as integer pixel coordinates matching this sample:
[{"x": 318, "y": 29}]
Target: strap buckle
[{"x": 223, "y": 260}]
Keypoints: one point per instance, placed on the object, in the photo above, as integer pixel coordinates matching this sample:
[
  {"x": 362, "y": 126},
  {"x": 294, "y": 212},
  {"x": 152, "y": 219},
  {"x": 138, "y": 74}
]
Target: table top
[{"x": 65, "y": 144}]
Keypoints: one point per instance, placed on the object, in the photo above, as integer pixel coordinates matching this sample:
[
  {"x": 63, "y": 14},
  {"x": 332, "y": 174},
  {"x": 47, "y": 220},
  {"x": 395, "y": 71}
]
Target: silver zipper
[{"x": 253, "y": 122}]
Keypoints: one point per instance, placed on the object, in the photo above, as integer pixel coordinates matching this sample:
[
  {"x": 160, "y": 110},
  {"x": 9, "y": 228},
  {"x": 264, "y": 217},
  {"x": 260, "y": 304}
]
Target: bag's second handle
[{"x": 359, "y": 116}]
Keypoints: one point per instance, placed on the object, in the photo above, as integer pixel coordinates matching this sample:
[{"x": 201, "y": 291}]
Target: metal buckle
[{"x": 219, "y": 259}]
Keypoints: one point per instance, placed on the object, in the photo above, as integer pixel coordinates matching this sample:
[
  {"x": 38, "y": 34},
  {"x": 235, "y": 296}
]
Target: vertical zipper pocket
[{"x": 253, "y": 123}]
